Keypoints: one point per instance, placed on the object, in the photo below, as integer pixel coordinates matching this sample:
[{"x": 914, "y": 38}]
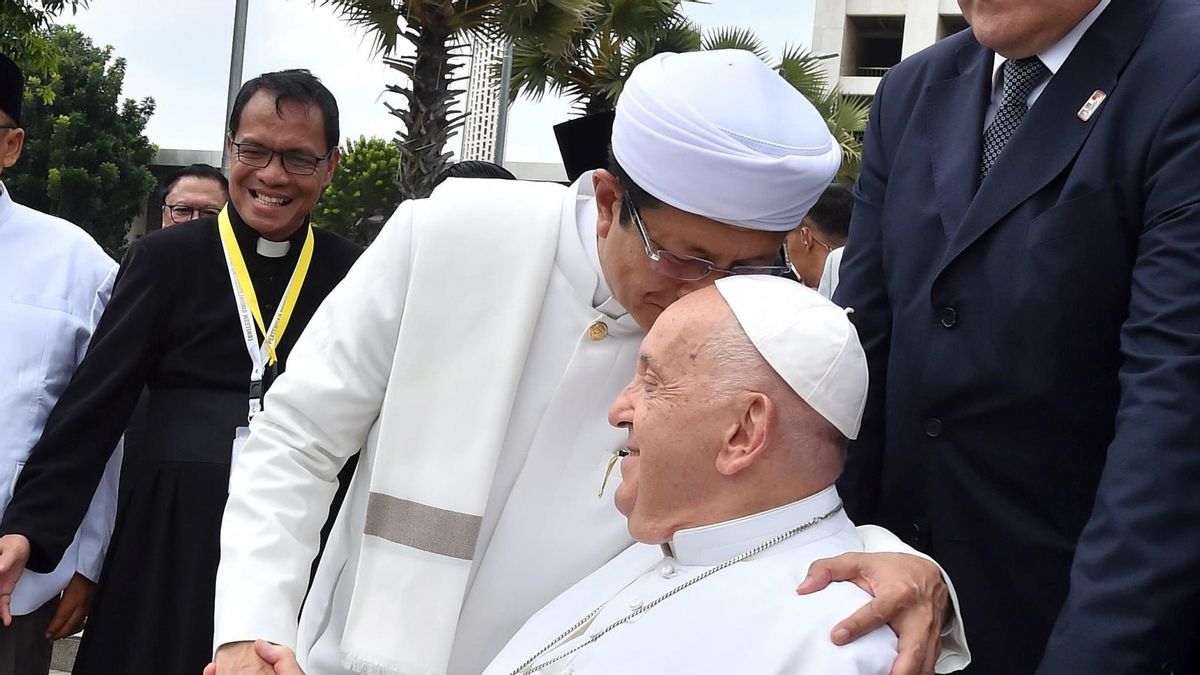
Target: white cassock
[
  {"x": 745, "y": 618},
  {"x": 543, "y": 528}
]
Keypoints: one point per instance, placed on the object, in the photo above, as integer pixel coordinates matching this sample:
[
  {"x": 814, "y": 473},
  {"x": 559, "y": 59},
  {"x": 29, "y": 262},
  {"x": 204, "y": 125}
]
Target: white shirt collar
[
  {"x": 1057, "y": 54},
  {"x": 714, "y": 544}
]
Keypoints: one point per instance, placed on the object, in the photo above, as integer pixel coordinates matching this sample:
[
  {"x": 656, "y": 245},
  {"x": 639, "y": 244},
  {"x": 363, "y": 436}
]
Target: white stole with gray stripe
[{"x": 473, "y": 300}]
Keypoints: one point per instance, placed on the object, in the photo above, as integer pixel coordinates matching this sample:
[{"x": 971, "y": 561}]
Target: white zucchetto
[
  {"x": 721, "y": 135},
  {"x": 807, "y": 340}
]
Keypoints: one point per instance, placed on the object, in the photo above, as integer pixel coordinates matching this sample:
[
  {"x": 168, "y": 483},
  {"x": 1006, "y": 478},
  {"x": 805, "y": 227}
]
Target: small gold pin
[
  {"x": 612, "y": 462},
  {"x": 1089, "y": 108}
]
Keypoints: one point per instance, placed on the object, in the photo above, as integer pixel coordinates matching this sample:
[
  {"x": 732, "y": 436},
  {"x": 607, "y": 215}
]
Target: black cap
[
  {"x": 12, "y": 88},
  {"x": 583, "y": 142}
]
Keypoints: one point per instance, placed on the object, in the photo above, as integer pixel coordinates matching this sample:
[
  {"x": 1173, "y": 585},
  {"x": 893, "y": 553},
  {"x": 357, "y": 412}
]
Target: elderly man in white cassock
[
  {"x": 471, "y": 353},
  {"x": 737, "y": 420}
]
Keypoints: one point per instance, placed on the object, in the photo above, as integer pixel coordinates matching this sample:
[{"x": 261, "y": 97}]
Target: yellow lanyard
[{"x": 245, "y": 288}]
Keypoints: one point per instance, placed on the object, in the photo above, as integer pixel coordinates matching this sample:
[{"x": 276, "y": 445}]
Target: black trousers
[{"x": 24, "y": 649}]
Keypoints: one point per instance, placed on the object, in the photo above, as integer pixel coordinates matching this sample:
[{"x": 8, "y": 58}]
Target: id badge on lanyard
[{"x": 262, "y": 355}]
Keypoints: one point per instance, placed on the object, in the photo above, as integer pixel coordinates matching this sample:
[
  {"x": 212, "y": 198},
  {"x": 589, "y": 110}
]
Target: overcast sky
[{"x": 178, "y": 53}]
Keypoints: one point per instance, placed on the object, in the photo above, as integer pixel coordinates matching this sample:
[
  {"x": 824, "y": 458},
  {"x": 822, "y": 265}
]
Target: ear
[
  {"x": 10, "y": 147},
  {"x": 330, "y": 167},
  {"x": 806, "y": 238},
  {"x": 746, "y": 439},
  {"x": 608, "y": 200}
]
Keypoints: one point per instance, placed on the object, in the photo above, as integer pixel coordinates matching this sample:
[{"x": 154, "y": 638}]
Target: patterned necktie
[{"x": 1020, "y": 78}]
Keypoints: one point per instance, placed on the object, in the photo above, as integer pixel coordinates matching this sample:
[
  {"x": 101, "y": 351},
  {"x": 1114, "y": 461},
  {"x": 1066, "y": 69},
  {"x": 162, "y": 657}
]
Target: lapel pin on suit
[{"x": 1089, "y": 107}]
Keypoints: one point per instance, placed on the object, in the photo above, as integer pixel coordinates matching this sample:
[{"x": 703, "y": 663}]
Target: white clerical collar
[
  {"x": 714, "y": 544},
  {"x": 1054, "y": 57},
  {"x": 273, "y": 249}
]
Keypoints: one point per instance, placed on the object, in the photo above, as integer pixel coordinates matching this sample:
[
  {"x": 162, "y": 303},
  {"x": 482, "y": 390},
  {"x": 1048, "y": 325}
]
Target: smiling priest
[
  {"x": 204, "y": 315},
  {"x": 472, "y": 353}
]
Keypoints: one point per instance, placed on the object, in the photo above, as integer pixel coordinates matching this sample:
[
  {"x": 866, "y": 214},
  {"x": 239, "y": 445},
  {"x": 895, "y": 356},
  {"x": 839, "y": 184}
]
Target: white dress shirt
[
  {"x": 1053, "y": 58},
  {"x": 831, "y": 272},
  {"x": 54, "y": 283}
]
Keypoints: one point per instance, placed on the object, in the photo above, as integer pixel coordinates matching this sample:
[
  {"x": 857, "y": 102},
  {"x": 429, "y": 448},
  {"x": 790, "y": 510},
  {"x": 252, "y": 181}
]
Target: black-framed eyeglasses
[
  {"x": 181, "y": 213},
  {"x": 688, "y": 267},
  {"x": 10, "y": 126},
  {"x": 294, "y": 162}
]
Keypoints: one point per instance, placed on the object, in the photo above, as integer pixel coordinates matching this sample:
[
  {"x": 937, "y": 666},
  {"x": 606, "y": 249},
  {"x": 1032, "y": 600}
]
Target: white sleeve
[
  {"x": 96, "y": 529},
  {"x": 955, "y": 654},
  {"x": 316, "y": 415}
]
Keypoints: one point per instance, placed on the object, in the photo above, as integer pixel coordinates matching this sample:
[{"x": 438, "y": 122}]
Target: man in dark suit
[{"x": 1024, "y": 266}]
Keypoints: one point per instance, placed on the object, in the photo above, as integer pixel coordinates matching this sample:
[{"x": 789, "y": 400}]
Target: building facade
[
  {"x": 483, "y": 100},
  {"x": 870, "y": 36}
]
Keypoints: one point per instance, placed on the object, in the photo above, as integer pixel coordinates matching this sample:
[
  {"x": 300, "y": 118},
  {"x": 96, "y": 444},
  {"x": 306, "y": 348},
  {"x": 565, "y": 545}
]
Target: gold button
[{"x": 598, "y": 331}]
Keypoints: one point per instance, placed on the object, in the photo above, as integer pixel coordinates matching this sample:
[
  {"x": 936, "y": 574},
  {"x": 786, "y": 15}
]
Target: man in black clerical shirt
[{"x": 202, "y": 314}]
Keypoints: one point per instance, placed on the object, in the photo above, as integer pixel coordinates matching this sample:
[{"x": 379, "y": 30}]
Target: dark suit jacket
[{"x": 1034, "y": 344}]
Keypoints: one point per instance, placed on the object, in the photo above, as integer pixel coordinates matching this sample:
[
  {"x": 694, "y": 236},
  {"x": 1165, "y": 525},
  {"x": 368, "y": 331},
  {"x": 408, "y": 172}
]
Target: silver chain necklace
[{"x": 528, "y": 667}]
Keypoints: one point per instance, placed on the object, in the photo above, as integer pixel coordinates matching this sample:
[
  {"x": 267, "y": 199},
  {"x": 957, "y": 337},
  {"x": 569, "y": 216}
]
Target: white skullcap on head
[
  {"x": 808, "y": 340},
  {"x": 721, "y": 135}
]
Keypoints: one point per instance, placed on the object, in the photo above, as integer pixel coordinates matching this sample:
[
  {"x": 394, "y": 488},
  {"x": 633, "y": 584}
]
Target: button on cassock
[{"x": 598, "y": 331}]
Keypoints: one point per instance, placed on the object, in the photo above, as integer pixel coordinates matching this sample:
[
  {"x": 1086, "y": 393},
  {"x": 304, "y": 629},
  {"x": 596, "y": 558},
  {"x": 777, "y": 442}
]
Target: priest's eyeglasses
[
  {"x": 690, "y": 268},
  {"x": 294, "y": 162},
  {"x": 181, "y": 213}
]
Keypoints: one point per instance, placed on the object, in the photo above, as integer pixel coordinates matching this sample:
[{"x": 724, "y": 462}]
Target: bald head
[{"x": 715, "y": 432}]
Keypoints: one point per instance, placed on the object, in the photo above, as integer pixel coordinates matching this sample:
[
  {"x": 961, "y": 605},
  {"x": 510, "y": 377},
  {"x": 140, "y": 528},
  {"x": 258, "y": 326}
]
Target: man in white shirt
[
  {"x": 815, "y": 248},
  {"x": 54, "y": 283},
  {"x": 473, "y": 351}
]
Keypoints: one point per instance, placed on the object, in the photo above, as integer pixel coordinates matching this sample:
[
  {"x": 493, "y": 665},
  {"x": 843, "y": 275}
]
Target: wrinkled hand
[
  {"x": 908, "y": 594},
  {"x": 72, "y": 609},
  {"x": 239, "y": 658},
  {"x": 14, "y": 553}
]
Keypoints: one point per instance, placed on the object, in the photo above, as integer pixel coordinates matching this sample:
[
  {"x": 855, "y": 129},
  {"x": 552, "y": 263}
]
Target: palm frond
[
  {"x": 677, "y": 35},
  {"x": 804, "y": 71},
  {"x": 630, "y": 18},
  {"x": 379, "y": 18},
  {"x": 732, "y": 37},
  {"x": 554, "y": 24}
]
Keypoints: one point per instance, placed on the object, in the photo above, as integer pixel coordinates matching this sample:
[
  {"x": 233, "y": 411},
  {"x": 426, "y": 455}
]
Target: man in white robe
[{"x": 471, "y": 353}]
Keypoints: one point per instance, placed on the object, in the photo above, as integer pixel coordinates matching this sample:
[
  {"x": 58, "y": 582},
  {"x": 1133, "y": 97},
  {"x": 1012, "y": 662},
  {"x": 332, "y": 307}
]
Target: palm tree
[
  {"x": 437, "y": 30},
  {"x": 618, "y": 35},
  {"x": 845, "y": 115}
]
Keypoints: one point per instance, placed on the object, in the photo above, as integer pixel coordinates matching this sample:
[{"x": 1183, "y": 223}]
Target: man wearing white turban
[{"x": 472, "y": 352}]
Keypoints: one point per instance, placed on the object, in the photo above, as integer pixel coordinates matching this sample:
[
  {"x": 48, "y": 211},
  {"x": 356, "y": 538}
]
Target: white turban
[
  {"x": 807, "y": 340},
  {"x": 721, "y": 135}
]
